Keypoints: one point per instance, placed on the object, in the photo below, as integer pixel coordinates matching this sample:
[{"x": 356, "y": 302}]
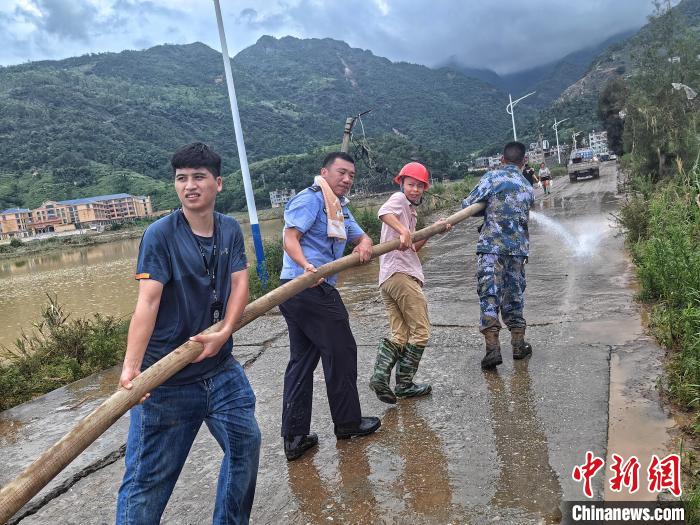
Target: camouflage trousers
[{"x": 501, "y": 288}]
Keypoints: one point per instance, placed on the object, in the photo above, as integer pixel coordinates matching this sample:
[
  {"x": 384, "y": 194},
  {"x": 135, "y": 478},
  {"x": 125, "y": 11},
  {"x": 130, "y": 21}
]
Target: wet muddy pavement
[{"x": 484, "y": 447}]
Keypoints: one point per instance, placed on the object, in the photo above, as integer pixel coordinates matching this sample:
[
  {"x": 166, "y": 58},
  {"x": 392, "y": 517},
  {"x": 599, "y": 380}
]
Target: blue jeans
[{"x": 161, "y": 433}]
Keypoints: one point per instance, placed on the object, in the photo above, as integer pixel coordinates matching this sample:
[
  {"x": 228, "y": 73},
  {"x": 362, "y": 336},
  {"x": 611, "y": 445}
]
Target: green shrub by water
[{"x": 59, "y": 351}]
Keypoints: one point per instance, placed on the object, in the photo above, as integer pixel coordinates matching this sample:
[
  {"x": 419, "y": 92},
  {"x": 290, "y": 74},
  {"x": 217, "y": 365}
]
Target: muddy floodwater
[
  {"x": 482, "y": 448},
  {"x": 93, "y": 279}
]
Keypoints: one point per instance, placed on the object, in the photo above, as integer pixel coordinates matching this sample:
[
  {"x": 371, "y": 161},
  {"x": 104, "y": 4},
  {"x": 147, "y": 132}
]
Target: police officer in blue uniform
[
  {"x": 502, "y": 252},
  {"x": 318, "y": 322}
]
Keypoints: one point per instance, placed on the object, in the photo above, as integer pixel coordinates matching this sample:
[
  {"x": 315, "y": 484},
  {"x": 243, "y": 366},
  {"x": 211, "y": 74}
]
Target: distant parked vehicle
[{"x": 583, "y": 163}]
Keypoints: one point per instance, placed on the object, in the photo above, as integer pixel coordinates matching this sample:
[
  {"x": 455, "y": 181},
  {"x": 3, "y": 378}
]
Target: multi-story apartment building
[
  {"x": 598, "y": 142},
  {"x": 90, "y": 212},
  {"x": 13, "y": 222},
  {"x": 280, "y": 197}
]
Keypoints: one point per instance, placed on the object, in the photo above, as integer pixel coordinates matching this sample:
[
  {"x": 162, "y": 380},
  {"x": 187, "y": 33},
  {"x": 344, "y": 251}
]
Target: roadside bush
[
  {"x": 16, "y": 243},
  {"x": 59, "y": 351},
  {"x": 369, "y": 222},
  {"x": 273, "y": 264},
  {"x": 664, "y": 235}
]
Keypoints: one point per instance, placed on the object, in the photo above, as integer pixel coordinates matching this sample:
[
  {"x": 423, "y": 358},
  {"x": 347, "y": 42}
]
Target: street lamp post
[
  {"x": 556, "y": 132},
  {"x": 511, "y": 106},
  {"x": 242, "y": 157}
]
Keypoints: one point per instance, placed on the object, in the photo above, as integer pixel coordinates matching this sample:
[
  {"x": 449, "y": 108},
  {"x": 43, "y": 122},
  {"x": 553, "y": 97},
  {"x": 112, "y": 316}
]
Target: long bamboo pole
[{"x": 38, "y": 474}]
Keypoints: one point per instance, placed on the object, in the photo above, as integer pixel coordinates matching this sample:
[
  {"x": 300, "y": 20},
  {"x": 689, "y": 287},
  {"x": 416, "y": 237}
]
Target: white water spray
[{"x": 581, "y": 245}]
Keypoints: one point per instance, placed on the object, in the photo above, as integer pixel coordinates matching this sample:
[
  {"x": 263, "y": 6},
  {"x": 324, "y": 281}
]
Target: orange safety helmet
[{"x": 415, "y": 170}]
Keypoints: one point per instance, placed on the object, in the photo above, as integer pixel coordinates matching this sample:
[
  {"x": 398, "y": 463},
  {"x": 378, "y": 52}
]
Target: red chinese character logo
[
  {"x": 665, "y": 474},
  {"x": 626, "y": 474},
  {"x": 586, "y": 471}
]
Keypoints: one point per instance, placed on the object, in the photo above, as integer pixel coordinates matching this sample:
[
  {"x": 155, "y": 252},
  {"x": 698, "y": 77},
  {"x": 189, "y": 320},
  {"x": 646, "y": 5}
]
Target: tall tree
[{"x": 610, "y": 103}]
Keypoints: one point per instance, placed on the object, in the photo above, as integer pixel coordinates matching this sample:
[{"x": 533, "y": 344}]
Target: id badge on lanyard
[{"x": 216, "y": 309}]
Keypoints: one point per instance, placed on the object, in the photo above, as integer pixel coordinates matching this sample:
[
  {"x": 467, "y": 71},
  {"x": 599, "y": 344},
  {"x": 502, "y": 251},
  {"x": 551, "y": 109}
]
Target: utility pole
[
  {"x": 242, "y": 157},
  {"x": 347, "y": 131},
  {"x": 555, "y": 127},
  {"x": 511, "y": 106}
]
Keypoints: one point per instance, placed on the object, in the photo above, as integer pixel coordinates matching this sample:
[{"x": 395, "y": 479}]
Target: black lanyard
[{"x": 211, "y": 265}]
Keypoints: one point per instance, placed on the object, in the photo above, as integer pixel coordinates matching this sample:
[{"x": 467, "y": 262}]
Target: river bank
[{"x": 67, "y": 242}]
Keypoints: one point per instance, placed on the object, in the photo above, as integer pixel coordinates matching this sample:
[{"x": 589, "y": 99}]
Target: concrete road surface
[{"x": 484, "y": 447}]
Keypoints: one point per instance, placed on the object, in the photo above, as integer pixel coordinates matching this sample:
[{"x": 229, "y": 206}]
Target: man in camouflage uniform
[{"x": 502, "y": 252}]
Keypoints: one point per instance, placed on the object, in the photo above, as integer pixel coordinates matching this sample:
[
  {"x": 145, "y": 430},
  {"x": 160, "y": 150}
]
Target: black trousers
[{"x": 319, "y": 329}]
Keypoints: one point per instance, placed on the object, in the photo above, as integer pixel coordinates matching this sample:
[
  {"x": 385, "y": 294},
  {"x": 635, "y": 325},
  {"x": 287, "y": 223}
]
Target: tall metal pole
[
  {"x": 249, "y": 197},
  {"x": 510, "y": 107},
  {"x": 556, "y": 132}
]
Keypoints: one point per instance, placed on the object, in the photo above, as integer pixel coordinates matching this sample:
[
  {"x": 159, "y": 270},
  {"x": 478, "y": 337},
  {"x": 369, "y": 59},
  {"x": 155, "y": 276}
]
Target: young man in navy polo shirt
[
  {"x": 192, "y": 272},
  {"x": 318, "y": 322}
]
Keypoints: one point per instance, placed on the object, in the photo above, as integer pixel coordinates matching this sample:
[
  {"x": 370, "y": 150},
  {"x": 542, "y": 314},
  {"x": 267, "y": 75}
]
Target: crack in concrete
[
  {"x": 35, "y": 506},
  {"x": 265, "y": 345}
]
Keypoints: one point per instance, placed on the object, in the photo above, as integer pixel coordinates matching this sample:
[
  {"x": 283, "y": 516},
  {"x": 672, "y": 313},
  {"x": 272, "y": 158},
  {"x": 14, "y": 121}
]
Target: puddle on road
[
  {"x": 638, "y": 424},
  {"x": 402, "y": 472}
]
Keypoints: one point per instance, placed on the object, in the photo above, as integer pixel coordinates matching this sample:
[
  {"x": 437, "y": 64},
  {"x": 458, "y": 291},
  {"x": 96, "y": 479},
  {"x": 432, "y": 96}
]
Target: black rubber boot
[
  {"x": 387, "y": 355},
  {"x": 406, "y": 370},
  {"x": 521, "y": 348},
  {"x": 493, "y": 349}
]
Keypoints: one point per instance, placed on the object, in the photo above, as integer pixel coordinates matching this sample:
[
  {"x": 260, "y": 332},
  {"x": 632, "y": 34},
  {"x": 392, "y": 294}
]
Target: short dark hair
[
  {"x": 330, "y": 158},
  {"x": 514, "y": 152},
  {"x": 197, "y": 155}
]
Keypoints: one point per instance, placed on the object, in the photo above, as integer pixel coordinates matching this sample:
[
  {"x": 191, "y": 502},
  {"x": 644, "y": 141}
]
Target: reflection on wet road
[
  {"x": 526, "y": 479},
  {"x": 401, "y": 473}
]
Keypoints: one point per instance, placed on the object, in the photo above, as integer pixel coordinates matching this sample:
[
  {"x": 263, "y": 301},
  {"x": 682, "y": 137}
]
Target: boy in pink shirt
[{"x": 401, "y": 284}]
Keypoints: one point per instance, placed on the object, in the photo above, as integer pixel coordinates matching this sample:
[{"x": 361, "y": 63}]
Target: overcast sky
[{"x": 503, "y": 35}]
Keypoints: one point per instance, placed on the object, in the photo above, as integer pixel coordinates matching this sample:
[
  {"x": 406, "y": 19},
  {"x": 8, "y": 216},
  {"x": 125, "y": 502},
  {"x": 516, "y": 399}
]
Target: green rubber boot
[
  {"x": 406, "y": 370},
  {"x": 387, "y": 355}
]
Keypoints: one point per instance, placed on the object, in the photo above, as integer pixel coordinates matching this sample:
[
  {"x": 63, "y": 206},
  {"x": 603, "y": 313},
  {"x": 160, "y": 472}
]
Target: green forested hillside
[{"x": 72, "y": 127}]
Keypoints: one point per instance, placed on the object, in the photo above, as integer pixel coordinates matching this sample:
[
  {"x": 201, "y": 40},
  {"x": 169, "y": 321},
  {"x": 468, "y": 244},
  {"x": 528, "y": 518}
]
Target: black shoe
[
  {"x": 492, "y": 359},
  {"x": 295, "y": 446},
  {"x": 366, "y": 426}
]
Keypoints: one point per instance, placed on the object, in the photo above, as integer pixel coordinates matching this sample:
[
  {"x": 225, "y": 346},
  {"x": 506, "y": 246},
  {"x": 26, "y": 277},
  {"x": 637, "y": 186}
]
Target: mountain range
[{"x": 108, "y": 122}]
